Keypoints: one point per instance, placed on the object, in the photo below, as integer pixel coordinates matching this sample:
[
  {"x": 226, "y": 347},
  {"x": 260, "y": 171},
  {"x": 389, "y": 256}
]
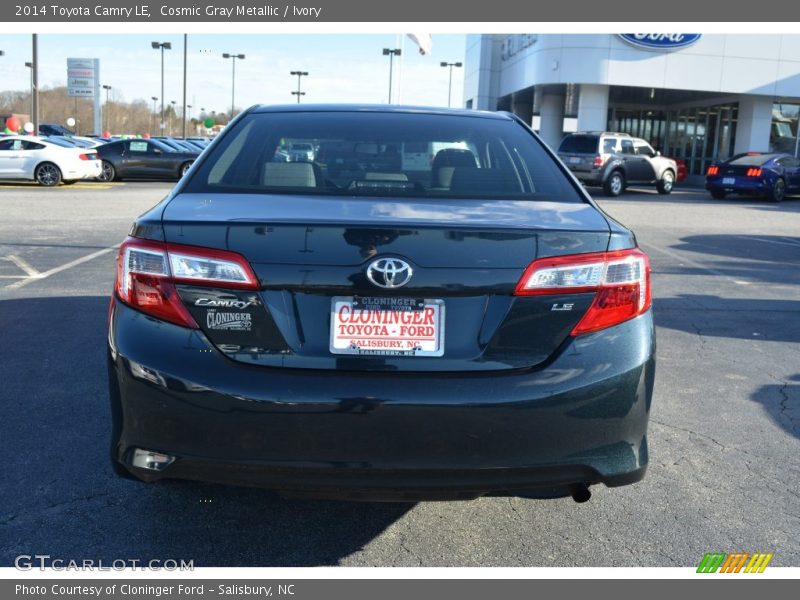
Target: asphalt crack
[{"x": 785, "y": 408}]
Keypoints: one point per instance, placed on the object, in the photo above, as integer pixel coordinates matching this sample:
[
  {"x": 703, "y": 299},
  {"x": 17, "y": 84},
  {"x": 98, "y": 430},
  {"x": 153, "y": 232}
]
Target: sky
[{"x": 342, "y": 68}]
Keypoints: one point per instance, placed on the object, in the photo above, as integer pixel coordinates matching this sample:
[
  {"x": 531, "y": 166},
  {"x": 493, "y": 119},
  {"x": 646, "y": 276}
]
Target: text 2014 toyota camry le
[{"x": 425, "y": 305}]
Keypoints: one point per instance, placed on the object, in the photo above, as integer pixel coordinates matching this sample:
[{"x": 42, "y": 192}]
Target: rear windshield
[
  {"x": 752, "y": 159},
  {"x": 381, "y": 154},
  {"x": 579, "y": 144}
]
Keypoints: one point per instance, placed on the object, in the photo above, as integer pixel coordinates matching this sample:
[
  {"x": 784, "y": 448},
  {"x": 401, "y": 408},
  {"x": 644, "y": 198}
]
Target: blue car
[{"x": 768, "y": 175}]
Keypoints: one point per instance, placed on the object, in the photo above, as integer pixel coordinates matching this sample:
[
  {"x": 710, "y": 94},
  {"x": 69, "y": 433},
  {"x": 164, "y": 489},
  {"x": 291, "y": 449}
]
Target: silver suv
[{"x": 614, "y": 160}]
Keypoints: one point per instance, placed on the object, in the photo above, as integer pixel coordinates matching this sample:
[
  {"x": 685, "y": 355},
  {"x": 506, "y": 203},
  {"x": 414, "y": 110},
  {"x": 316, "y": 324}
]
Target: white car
[{"x": 32, "y": 158}]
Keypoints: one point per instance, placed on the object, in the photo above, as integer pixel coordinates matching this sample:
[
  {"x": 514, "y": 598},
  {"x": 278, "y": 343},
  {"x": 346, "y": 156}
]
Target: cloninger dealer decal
[{"x": 228, "y": 321}]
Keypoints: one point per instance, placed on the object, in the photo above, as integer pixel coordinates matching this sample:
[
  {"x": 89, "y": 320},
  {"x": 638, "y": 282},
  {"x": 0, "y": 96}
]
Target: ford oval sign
[{"x": 660, "y": 41}]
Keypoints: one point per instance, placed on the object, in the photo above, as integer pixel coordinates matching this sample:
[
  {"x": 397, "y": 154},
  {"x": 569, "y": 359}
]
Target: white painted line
[
  {"x": 13, "y": 277},
  {"x": 694, "y": 263},
  {"x": 24, "y": 265},
  {"x": 69, "y": 265},
  {"x": 758, "y": 239}
]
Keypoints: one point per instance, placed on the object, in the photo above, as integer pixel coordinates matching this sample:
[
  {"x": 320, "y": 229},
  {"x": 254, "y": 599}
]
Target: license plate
[
  {"x": 728, "y": 180},
  {"x": 387, "y": 326},
  {"x": 574, "y": 160}
]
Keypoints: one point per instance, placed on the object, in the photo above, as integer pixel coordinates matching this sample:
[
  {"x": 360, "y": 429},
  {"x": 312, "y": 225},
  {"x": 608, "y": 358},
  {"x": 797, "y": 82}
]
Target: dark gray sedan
[
  {"x": 360, "y": 327},
  {"x": 142, "y": 158}
]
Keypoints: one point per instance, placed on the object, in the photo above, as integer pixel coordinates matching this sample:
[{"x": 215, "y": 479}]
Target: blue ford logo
[{"x": 660, "y": 41}]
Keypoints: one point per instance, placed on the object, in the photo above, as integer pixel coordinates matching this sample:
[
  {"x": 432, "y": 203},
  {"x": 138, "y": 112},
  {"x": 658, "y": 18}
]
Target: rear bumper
[
  {"x": 753, "y": 187},
  {"x": 382, "y": 436},
  {"x": 589, "y": 177}
]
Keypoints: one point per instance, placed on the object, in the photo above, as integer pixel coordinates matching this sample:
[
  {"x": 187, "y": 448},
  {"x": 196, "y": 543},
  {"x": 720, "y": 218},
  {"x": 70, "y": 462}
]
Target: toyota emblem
[{"x": 389, "y": 272}]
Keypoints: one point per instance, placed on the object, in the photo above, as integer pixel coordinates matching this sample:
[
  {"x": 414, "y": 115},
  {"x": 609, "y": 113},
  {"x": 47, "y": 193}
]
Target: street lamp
[
  {"x": 299, "y": 74},
  {"x": 107, "y": 88},
  {"x": 172, "y": 116},
  {"x": 233, "y": 75},
  {"x": 154, "y": 99},
  {"x": 162, "y": 46},
  {"x": 391, "y": 53},
  {"x": 189, "y": 118},
  {"x": 30, "y": 66},
  {"x": 450, "y": 84}
]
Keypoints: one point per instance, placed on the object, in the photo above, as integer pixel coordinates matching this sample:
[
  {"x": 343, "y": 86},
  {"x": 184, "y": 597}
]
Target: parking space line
[
  {"x": 694, "y": 263},
  {"x": 64, "y": 267},
  {"x": 24, "y": 265},
  {"x": 758, "y": 239}
]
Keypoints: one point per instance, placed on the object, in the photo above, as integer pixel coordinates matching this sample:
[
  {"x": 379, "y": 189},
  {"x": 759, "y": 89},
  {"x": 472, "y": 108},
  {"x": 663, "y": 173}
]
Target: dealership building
[{"x": 695, "y": 97}]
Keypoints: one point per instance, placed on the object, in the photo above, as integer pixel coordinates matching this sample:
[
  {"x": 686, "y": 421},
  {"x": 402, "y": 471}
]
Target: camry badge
[{"x": 389, "y": 273}]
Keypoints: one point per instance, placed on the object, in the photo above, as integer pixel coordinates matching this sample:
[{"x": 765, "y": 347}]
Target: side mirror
[
  {"x": 157, "y": 150},
  {"x": 657, "y": 153}
]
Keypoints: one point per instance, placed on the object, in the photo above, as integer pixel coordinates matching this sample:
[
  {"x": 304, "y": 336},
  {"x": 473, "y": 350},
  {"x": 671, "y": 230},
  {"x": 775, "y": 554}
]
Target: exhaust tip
[
  {"x": 581, "y": 494},
  {"x": 151, "y": 461}
]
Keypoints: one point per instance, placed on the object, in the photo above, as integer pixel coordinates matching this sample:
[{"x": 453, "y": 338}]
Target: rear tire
[
  {"x": 666, "y": 183},
  {"x": 108, "y": 173},
  {"x": 183, "y": 169},
  {"x": 47, "y": 174},
  {"x": 615, "y": 184},
  {"x": 718, "y": 194},
  {"x": 778, "y": 192}
]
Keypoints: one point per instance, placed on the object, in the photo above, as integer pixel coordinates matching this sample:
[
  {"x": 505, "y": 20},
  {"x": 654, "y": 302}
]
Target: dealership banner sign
[{"x": 660, "y": 41}]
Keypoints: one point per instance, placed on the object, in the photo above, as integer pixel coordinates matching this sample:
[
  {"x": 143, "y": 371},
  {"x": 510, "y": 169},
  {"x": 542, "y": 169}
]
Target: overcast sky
[{"x": 343, "y": 68}]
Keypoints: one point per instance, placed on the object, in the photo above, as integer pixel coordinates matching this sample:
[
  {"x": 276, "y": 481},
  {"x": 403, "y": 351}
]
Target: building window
[{"x": 783, "y": 131}]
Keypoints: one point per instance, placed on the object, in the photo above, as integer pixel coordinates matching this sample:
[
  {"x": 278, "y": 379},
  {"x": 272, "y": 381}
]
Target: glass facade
[
  {"x": 783, "y": 133},
  {"x": 697, "y": 135}
]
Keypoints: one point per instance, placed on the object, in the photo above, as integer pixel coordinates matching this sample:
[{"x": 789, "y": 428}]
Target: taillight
[
  {"x": 88, "y": 156},
  {"x": 619, "y": 279},
  {"x": 598, "y": 161},
  {"x": 147, "y": 272},
  {"x": 713, "y": 170},
  {"x": 754, "y": 172}
]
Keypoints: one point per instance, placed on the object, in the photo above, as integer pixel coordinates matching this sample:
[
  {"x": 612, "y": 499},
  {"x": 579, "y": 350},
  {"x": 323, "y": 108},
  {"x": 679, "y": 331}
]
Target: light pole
[
  {"x": 172, "y": 116},
  {"x": 154, "y": 99},
  {"x": 107, "y": 88},
  {"x": 299, "y": 74},
  {"x": 30, "y": 66},
  {"x": 189, "y": 108},
  {"x": 450, "y": 83},
  {"x": 391, "y": 53},
  {"x": 162, "y": 46},
  {"x": 233, "y": 76}
]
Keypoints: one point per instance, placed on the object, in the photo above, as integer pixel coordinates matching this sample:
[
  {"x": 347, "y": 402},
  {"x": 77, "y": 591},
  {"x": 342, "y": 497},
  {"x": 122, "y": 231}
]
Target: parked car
[
  {"x": 53, "y": 129},
  {"x": 179, "y": 145},
  {"x": 301, "y": 152},
  {"x": 40, "y": 160},
  {"x": 615, "y": 160},
  {"x": 139, "y": 158},
  {"x": 772, "y": 176},
  {"x": 355, "y": 333}
]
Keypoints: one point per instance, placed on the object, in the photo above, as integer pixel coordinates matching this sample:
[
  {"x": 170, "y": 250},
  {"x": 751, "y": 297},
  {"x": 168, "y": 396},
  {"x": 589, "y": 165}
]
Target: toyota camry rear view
[{"x": 422, "y": 305}]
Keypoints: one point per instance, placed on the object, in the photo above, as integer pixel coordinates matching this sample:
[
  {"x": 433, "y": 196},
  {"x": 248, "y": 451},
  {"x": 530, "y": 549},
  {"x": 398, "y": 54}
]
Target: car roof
[
  {"x": 383, "y": 108},
  {"x": 602, "y": 133}
]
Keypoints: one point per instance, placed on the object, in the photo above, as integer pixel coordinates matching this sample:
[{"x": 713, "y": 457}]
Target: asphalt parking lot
[{"x": 724, "y": 432}]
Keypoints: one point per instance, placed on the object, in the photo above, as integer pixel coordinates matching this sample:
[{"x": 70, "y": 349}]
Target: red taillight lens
[
  {"x": 620, "y": 280},
  {"x": 147, "y": 272},
  {"x": 754, "y": 172},
  {"x": 713, "y": 170},
  {"x": 88, "y": 156},
  {"x": 598, "y": 161}
]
